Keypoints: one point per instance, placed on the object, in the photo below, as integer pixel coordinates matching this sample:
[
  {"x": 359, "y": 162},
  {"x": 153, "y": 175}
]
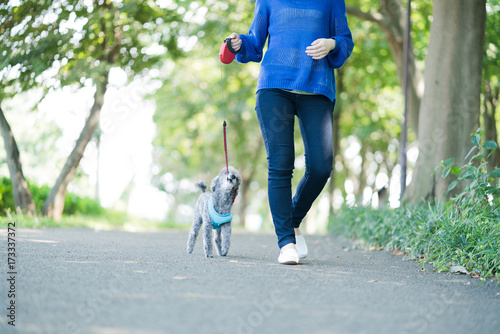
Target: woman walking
[{"x": 307, "y": 40}]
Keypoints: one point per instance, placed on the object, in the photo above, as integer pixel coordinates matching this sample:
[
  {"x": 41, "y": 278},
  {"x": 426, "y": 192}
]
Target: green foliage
[
  {"x": 72, "y": 41},
  {"x": 74, "y": 205},
  {"x": 480, "y": 198},
  {"x": 432, "y": 234},
  {"x": 464, "y": 231},
  {"x": 491, "y": 61},
  {"x": 6, "y": 198},
  {"x": 189, "y": 114}
]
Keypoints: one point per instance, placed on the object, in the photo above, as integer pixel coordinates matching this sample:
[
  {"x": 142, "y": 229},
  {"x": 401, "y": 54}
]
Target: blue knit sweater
[{"x": 292, "y": 25}]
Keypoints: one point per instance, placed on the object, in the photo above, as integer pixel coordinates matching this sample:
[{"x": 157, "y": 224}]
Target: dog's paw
[{"x": 209, "y": 256}]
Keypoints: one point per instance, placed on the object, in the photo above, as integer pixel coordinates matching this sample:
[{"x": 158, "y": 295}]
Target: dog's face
[{"x": 225, "y": 182}]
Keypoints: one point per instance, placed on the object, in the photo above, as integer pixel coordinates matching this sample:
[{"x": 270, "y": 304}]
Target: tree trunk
[
  {"x": 392, "y": 22},
  {"x": 98, "y": 165},
  {"x": 362, "y": 175},
  {"x": 243, "y": 193},
  {"x": 450, "y": 107},
  {"x": 336, "y": 136},
  {"x": 54, "y": 205},
  {"x": 20, "y": 190},
  {"x": 245, "y": 183},
  {"x": 489, "y": 126}
]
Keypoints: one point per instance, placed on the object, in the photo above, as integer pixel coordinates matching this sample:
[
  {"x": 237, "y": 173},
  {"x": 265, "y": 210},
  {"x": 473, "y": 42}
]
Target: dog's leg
[
  {"x": 193, "y": 233},
  {"x": 217, "y": 241},
  {"x": 226, "y": 238},
  {"x": 207, "y": 238}
]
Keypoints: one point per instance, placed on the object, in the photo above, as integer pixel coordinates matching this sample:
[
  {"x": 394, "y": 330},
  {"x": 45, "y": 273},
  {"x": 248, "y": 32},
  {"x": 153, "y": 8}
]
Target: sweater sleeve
[
  {"x": 253, "y": 44},
  {"x": 342, "y": 35}
]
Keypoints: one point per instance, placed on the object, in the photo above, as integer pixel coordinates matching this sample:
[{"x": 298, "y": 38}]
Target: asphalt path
[{"x": 100, "y": 282}]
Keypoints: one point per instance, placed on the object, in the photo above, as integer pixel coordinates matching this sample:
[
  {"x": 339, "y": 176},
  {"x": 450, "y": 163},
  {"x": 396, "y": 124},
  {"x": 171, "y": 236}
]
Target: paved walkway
[{"x": 82, "y": 281}]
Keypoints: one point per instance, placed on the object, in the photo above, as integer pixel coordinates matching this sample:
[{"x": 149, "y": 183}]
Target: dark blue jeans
[{"x": 276, "y": 111}]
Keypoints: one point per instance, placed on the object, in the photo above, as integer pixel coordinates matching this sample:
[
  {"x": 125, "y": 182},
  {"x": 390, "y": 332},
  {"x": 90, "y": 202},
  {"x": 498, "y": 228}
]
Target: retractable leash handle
[{"x": 227, "y": 53}]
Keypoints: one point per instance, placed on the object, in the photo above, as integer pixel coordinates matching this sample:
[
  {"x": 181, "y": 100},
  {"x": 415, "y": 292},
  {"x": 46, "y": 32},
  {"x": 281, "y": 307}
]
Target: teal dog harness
[{"x": 217, "y": 218}]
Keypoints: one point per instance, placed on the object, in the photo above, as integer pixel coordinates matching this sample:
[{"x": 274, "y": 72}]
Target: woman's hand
[
  {"x": 320, "y": 48},
  {"x": 235, "y": 41}
]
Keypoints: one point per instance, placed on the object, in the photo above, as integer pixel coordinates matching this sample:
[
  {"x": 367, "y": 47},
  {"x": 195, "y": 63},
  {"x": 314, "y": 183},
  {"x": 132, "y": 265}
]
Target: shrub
[
  {"x": 429, "y": 233},
  {"x": 463, "y": 232},
  {"x": 6, "y": 197},
  {"x": 73, "y": 204},
  {"x": 481, "y": 197}
]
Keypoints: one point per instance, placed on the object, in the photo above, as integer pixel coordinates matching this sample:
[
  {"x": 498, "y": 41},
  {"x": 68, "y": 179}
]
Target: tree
[
  {"x": 450, "y": 107},
  {"x": 83, "y": 42},
  {"x": 491, "y": 78},
  {"x": 390, "y": 19},
  {"x": 18, "y": 72},
  {"x": 368, "y": 108},
  {"x": 20, "y": 190}
]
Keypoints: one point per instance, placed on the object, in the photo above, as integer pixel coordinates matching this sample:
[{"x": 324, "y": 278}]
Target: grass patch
[
  {"x": 432, "y": 234},
  {"x": 111, "y": 220},
  {"x": 463, "y": 232}
]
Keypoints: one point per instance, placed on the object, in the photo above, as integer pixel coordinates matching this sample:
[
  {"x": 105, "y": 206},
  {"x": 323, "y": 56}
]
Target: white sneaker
[
  {"x": 289, "y": 256},
  {"x": 301, "y": 245}
]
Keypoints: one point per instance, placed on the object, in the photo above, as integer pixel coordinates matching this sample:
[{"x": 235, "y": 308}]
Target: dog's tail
[{"x": 202, "y": 185}]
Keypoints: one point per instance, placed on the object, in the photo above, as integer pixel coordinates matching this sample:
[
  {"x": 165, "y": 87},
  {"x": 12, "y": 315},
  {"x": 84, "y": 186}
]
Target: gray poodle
[{"x": 213, "y": 210}]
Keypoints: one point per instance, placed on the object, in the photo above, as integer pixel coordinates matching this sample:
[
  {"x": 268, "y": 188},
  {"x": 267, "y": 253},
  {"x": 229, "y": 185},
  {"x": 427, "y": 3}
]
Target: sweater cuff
[
  {"x": 240, "y": 58},
  {"x": 337, "y": 45}
]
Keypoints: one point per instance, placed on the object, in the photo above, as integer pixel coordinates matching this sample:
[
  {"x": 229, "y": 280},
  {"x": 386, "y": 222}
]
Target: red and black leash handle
[{"x": 227, "y": 53}]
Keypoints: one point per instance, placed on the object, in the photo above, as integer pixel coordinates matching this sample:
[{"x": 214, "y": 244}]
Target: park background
[{"x": 111, "y": 111}]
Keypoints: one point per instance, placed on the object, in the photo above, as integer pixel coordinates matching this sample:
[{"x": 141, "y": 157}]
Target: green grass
[
  {"x": 463, "y": 232},
  {"x": 432, "y": 234},
  {"x": 109, "y": 221}
]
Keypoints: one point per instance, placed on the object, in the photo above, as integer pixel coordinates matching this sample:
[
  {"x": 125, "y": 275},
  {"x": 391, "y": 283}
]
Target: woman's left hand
[{"x": 320, "y": 48}]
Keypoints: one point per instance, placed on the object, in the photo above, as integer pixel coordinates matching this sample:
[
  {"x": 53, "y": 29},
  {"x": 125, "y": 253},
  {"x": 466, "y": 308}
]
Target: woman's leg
[
  {"x": 315, "y": 113},
  {"x": 276, "y": 111}
]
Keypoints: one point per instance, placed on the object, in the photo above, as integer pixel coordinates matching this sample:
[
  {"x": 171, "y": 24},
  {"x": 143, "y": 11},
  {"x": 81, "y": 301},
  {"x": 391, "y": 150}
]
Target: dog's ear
[
  {"x": 238, "y": 181},
  {"x": 215, "y": 183}
]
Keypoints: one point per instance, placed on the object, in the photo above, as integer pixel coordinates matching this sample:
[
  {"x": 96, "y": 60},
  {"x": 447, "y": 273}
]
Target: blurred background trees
[{"x": 171, "y": 46}]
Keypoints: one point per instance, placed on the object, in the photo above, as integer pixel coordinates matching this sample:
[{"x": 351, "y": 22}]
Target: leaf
[
  {"x": 456, "y": 170},
  {"x": 489, "y": 145},
  {"x": 495, "y": 173},
  {"x": 452, "y": 185},
  {"x": 446, "y": 172},
  {"x": 475, "y": 139},
  {"x": 482, "y": 165},
  {"x": 471, "y": 150},
  {"x": 469, "y": 173},
  {"x": 490, "y": 190},
  {"x": 449, "y": 161}
]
